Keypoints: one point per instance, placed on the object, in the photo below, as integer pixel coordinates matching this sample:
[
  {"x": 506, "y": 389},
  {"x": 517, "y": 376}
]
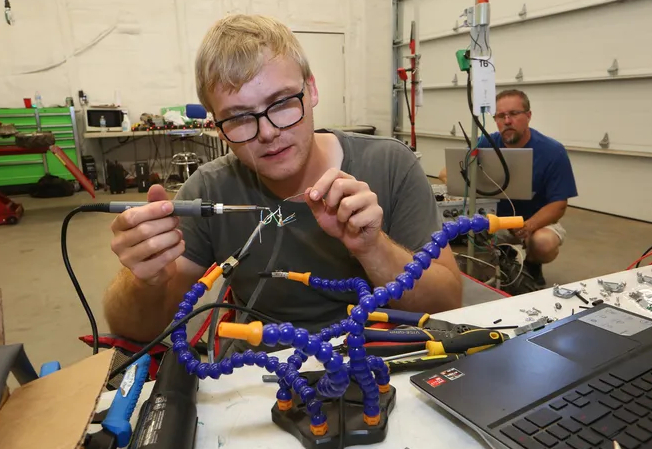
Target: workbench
[
  {"x": 209, "y": 139},
  {"x": 235, "y": 411}
]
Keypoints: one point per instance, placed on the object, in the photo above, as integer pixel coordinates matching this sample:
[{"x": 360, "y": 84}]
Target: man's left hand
[
  {"x": 346, "y": 209},
  {"x": 525, "y": 232}
]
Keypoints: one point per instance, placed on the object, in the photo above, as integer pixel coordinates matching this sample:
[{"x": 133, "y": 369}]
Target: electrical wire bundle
[{"x": 637, "y": 262}]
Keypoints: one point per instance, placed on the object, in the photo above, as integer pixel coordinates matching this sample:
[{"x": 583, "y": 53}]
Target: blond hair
[{"x": 232, "y": 52}]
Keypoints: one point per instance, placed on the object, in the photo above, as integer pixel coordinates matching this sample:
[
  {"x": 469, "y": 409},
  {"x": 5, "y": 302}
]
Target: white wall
[
  {"x": 564, "y": 48},
  {"x": 146, "y": 50}
]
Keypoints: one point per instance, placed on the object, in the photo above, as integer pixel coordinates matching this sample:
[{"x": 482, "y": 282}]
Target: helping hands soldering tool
[{"x": 186, "y": 208}]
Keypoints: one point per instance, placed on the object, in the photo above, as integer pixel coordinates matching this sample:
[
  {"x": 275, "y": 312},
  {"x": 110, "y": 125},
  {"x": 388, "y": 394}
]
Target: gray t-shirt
[{"x": 392, "y": 171}]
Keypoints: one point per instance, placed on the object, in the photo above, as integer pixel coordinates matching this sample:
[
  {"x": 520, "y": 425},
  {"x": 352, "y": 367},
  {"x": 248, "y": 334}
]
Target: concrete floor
[{"x": 42, "y": 310}]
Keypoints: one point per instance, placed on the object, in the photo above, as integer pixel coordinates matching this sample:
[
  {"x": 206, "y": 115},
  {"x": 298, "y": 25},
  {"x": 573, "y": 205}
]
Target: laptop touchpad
[{"x": 585, "y": 343}]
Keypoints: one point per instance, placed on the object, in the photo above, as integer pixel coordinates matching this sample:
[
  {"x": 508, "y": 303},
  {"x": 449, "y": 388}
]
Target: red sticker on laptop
[
  {"x": 436, "y": 381},
  {"x": 452, "y": 374}
]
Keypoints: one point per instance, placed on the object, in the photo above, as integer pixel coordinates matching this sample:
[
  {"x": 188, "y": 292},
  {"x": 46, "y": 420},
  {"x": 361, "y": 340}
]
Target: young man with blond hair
[{"x": 362, "y": 203}]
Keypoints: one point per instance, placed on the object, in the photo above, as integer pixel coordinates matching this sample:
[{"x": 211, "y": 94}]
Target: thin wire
[
  {"x": 522, "y": 264},
  {"x": 487, "y": 44},
  {"x": 517, "y": 276},
  {"x": 407, "y": 101},
  {"x": 640, "y": 259},
  {"x": 294, "y": 196},
  {"x": 486, "y": 60},
  {"x": 480, "y": 261},
  {"x": 475, "y": 41},
  {"x": 466, "y": 185},
  {"x": 496, "y": 184},
  {"x": 644, "y": 254}
]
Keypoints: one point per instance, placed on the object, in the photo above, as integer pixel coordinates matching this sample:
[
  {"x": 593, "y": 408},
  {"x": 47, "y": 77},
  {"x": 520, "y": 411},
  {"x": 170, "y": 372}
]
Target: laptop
[
  {"x": 580, "y": 382},
  {"x": 519, "y": 163}
]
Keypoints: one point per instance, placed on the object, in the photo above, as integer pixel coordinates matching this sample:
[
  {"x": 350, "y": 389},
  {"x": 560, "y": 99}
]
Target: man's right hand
[{"x": 146, "y": 239}]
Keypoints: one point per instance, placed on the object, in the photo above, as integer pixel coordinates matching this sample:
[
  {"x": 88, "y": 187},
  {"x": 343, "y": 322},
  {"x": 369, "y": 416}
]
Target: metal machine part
[
  {"x": 643, "y": 279},
  {"x": 613, "y": 287},
  {"x": 453, "y": 206},
  {"x": 642, "y": 297},
  {"x": 533, "y": 326},
  {"x": 561, "y": 292},
  {"x": 531, "y": 312}
]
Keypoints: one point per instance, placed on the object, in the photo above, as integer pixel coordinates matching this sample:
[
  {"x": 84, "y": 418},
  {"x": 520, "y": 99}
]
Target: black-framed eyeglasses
[
  {"x": 282, "y": 114},
  {"x": 510, "y": 114}
]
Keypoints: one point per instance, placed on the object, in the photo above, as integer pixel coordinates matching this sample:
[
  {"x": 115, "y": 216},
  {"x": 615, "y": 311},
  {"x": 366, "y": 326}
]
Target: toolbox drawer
[{"x": 29, "y": 168}]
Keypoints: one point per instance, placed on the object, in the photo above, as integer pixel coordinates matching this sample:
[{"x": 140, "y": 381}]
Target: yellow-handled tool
[
  {"x": 468, "y": 343},
  {"x": 397, "y": 317},
  {"x": 421, "y": 364}
]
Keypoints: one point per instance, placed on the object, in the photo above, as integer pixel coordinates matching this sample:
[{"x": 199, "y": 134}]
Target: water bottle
[
  {"x": 102, "y": 123},
  {"x": 38, "y": 100},
  {"x": 126, "y": 124}
]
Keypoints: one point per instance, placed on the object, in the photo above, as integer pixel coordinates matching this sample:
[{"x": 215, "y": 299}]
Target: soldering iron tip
[{"x": 265, "y": 274}]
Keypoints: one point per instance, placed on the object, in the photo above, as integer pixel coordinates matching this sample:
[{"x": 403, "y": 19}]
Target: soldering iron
[
  {"x": 182, "y": 208},
  {"x": 186, "y": 208}
]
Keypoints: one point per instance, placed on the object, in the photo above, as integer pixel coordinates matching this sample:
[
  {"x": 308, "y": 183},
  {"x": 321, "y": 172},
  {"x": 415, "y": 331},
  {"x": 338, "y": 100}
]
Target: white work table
[{"x": 235, "y": 411}]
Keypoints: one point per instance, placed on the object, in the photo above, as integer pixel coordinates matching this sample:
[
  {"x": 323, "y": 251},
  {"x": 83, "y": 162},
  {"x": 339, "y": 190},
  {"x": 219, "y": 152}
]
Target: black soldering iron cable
[
  {"x": 104, "y": 207},
  {"x": 66, "y": 261},
  {"x": 177, "y": 324}
]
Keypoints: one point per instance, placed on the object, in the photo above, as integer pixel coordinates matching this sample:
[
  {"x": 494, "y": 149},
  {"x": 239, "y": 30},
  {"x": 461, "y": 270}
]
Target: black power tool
[{"x": 168, "y": 419}]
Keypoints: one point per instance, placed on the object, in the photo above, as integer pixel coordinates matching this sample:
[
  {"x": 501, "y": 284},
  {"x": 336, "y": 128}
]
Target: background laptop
[
  {"x": 519, "y": 162},
  {"x": 580, "y": 382}
]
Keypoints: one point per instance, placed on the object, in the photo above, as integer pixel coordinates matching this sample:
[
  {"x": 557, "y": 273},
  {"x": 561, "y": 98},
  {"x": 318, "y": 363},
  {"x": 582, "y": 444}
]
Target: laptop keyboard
[{"x": 614, "y": 406}]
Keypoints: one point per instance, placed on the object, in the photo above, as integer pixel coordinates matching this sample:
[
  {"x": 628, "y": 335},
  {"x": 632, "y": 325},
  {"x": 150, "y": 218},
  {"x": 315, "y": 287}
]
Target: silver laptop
[{"x": 519, "y": 162}]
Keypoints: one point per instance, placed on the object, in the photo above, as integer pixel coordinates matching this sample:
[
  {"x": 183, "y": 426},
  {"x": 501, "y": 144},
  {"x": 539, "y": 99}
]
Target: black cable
[
  {"x": 214, "y": 318},
  {"x": 643, "y": 255},
  {"x": 487, "y": 43},
  {"x": 491, "y": 141},
  {"x": 475, "y": 41},
  {"x": 185, "y": 320},
  {"x": 407, "y": 101},
  {"x": 100, "y": 207},
  {"x": 342, "y": 423}
]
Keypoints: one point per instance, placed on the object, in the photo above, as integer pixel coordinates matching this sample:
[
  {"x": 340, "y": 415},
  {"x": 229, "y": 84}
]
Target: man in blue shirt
[{"x": 553, "y": 182}]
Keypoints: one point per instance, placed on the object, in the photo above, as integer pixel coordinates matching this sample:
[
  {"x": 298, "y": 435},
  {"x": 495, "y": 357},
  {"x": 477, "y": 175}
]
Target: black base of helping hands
[{"x": 356, "y": 432}]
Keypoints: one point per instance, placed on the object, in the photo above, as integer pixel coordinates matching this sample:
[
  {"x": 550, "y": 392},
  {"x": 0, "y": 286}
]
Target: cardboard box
[{"x": 54, "y": 411}]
